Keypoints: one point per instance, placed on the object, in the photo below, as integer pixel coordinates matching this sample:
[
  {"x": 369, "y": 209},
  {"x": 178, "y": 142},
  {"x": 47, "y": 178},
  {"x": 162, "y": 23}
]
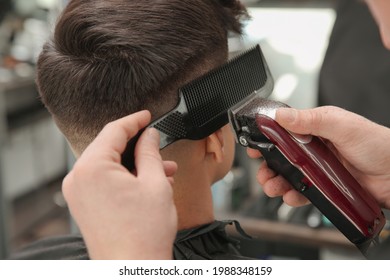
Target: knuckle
[
  {"x": 321, "y": 117},
  {"x": 83, "y": 171},
  {"x": 109, "y": 126},
  {"x": 316, "y": 120}
]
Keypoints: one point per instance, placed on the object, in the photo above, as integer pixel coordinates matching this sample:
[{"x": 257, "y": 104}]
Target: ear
[{"x": 215, "y": 145}]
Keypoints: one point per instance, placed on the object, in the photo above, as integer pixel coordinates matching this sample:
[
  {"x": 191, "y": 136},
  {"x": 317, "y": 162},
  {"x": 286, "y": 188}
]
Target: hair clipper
[{"x": 308, "y": 164}]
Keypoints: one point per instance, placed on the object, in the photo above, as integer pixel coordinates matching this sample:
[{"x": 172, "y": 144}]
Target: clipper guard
[{"x": 308, "y": 164}]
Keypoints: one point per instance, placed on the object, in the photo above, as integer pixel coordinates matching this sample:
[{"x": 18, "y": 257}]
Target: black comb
[{"x": 204, "y": 102}]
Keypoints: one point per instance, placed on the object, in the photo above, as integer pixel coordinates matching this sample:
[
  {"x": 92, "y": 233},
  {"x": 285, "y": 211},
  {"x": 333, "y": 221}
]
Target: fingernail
[{"x": 286, "y": 114}]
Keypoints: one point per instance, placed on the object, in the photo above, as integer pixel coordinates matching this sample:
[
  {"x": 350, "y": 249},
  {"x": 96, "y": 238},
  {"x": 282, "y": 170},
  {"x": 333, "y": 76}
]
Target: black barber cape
[{"x": 205, "y": 242}]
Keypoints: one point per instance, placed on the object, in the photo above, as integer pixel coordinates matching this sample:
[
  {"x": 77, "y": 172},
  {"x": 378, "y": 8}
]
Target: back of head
[{"x": 111, "y": 58}]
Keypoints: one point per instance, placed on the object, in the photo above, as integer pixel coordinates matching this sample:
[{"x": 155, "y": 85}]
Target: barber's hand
[
  {"x": 122, "y": 215},
  {"x": 361, "y": 145}
]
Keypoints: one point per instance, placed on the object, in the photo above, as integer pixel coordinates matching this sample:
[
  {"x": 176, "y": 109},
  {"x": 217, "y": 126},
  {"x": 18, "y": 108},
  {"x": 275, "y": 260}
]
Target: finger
[
  {"x": 252, "y": 153},
  {"x": 276, "y": 186},
  {"x": 170, "y": 168},
  {"x": 171, "y": 180},
  {"x": 328, "y": 121},
  {"x": 302, "y": 121},
  {"x": 295, "y": 199},
  {"x": 148, "y": 160},
  {"x": 265, "y": 173},
  {"x": 112, "y": 140}
]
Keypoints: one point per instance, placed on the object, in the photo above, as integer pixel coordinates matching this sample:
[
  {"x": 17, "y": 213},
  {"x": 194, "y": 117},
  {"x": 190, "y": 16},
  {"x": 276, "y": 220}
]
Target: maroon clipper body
[{"x": 311, "y": 168}]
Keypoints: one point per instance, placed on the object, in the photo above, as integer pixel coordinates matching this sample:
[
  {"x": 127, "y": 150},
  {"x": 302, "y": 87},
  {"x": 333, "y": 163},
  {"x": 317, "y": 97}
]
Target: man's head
[{"x": 111, "y": 58}]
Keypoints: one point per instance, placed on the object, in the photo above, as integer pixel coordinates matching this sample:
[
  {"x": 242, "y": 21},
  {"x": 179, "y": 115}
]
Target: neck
[
  {"x": 192, "y": 187},
  {"x": 193, "y": 200}
]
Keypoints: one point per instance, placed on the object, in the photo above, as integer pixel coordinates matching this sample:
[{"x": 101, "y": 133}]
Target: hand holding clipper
[{"x": 311, "y": 168}]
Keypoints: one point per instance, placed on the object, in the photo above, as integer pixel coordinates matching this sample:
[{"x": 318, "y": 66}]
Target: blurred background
[{"x": 320, "y": 52}]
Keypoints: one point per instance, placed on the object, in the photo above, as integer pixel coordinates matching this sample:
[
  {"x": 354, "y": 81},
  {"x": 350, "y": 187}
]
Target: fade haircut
[{"x": 110, "y": 58}]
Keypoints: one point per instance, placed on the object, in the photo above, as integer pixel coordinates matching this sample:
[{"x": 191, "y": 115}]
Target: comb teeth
[
  {"x": 173, "y": 126},
  {"x": 213, "y": 94}
]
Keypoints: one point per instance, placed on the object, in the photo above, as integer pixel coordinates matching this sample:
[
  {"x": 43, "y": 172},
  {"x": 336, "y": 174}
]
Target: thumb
[
  {"x": 333, "y": 123},
  {"x": 326, "y": 121},
  {"x": 148, "y": 160}
]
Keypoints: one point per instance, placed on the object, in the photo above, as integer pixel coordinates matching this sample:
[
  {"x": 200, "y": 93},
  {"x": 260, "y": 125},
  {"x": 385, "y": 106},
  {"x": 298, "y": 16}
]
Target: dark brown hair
[{"x": 110, "y": 58}]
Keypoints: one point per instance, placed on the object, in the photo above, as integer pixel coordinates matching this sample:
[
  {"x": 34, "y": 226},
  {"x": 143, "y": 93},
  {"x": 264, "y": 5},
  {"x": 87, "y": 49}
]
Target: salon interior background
[{"x": 34, "y": 155}]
